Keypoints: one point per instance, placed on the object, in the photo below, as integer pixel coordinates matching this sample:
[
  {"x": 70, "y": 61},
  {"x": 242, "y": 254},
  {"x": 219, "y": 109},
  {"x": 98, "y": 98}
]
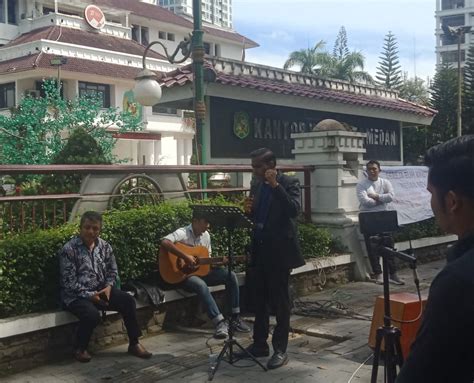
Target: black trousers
[
  {"x": 271, "y": 291},
  {"x": 89, "y": 316},
  {"x": 374, "y": 259}
]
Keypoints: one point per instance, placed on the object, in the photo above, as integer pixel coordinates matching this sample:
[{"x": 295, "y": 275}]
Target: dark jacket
[
  {"x": 279, "y": 238},
  {"x": 444, "y": 347}
]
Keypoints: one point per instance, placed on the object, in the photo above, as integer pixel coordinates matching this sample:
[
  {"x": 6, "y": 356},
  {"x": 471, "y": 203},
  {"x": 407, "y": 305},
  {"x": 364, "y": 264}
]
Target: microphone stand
[{"x": 388, "y": 333}]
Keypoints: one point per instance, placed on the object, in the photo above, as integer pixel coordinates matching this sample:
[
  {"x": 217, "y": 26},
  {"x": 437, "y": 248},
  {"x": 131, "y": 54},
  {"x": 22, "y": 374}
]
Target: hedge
[
  {"x": 29, "y": 268},
  {"x": 422, "y": 229}
]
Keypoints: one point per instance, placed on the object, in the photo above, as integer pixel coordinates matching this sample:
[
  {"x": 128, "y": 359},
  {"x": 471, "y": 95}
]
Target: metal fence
[{"x": 113, "y": 186}]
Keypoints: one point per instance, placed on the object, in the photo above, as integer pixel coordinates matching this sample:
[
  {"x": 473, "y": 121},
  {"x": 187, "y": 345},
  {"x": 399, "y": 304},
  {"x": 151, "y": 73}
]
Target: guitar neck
[{"x": 217, "y": 260}]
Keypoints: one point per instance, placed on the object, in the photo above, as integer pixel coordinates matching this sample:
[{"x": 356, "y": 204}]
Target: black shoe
[
  {"x": 278, "y": 359},
  {"x": 139, "y": 351},
  {"x": 256, "y": 351},
  {"x": 82, "y": 356}
]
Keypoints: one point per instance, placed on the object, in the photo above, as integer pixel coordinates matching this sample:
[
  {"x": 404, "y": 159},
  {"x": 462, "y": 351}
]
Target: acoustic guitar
[{"x": 173, "y": 269}]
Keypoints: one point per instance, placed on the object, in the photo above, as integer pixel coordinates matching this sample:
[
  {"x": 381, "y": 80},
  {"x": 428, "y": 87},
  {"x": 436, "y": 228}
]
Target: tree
[
  {"x": 444, "y": 99},
  {"x": 341, "y": 49},
  {"x": 81, "y": 148},
  {"x": 415, "y": 90},
  {"x": 388, "y": 72},
  {"x": 468, "y": 102},
  {"x": 307, "y": 59},
  {"x": 415, "y": 139},
  {"x": 35, "y": 131},
  {"x": 341, "y": 64}
]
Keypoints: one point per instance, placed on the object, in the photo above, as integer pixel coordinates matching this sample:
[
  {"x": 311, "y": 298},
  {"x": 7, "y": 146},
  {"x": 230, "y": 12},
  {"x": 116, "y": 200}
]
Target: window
[
  {"x": 145, "y": 36},
  {"x": 207, "y": 48},
  {"x": 7, "y": 95},
  {"x": 451, "y": 40},
  {"x": 39, "y": 87},
  {"x": 171, "y": 37},
  {"x": 162, "y": 35},
  {"x": 135, "y": 33},
  {"x": 453, "y": 21},
  {"x": 217, "y": 48},
  {"x": 12, "y": 12},
  {"x": 162, "y": 110},
  {"x": 452, "y": 56},
  {"x": 2, "y": 11},
  {"x": 452, "y": 4},
  {"x": 101, "y": 90}
]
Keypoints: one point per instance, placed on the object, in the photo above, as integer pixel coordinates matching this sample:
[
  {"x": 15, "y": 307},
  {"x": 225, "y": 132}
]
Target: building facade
[
  {"x": 453, "y": 13},
  {"x": 104, "y": 58},
  {"x": 216, "y": 12}
]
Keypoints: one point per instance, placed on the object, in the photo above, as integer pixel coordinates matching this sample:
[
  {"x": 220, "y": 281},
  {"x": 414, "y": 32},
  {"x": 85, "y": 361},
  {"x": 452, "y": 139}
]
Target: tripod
[
  {"x": 230, "y": 217},
  {"x": 389, "y": 334}
]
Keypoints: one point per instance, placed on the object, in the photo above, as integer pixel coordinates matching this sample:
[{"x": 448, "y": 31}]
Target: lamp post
[
  {"x": 458, "y": 33},
  {"x": 148, "y": 91},
  {"x": 58, "y": 61}
]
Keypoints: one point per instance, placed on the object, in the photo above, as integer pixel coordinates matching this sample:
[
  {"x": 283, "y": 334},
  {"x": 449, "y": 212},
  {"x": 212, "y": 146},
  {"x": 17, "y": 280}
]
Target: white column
[
  {"x": 188, "y": 150},
  {"x": 134, "y": 145},
  {"x": 157, "y": 151},
  {"x": 338, "y": 160},
  {"x": 179, "y": 151},
  {"x": 146, "y": 150}
]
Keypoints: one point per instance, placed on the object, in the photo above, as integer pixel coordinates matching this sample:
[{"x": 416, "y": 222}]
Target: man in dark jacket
[
  {"x": 443, "y": 349},
  {"x": 273, "y": 206}
]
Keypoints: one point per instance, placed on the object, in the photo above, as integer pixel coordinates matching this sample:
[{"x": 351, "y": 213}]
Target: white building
[
  {"x": 217, "y": 12},
  {"x": 104, "y": 60},
  {"x": 453, "y": 13}
]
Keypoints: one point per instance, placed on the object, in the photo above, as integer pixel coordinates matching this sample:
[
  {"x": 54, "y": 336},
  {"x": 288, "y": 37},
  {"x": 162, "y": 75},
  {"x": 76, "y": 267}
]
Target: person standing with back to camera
[
  {"x": 374, "y": 194},
  {"x": 443, "y": 350},
  {"x": 273, "y": 206}
]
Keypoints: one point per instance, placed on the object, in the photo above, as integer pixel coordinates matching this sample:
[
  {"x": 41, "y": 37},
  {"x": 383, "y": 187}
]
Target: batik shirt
[{"x": 84, "y": 272}]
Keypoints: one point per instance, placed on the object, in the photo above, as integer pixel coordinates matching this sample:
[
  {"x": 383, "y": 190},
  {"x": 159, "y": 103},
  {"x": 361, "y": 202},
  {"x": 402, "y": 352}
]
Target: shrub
[
  {"x": 29, "y": 278},
  {"x": 422, "y": 229},
  {"x": 314, "y": 241}
]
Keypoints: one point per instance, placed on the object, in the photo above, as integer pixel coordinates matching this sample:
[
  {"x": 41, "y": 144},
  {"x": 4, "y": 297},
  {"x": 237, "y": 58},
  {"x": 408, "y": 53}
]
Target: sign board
[
  {"x": 412, "y": 200},
  {"x": 58, "y": 61},
  {"x": 238, "y": 127},
  {"x": 131, "y": 105},
  {"x": 94, "y": 16}
]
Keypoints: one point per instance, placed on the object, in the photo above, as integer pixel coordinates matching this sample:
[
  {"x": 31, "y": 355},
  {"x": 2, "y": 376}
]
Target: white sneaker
[
  {"x": 222, "y": 330},
  {"x": 379, "y": 279},
  {"x": 394, "y": 278}
]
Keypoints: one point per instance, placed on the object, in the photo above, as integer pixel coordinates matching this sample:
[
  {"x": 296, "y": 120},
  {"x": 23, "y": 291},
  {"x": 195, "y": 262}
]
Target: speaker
[{"x": 403, "y": 306}]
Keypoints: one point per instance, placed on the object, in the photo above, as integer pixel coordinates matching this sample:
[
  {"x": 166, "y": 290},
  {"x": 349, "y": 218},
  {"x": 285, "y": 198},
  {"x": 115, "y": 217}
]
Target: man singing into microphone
[{"x": 273, "y": 205}]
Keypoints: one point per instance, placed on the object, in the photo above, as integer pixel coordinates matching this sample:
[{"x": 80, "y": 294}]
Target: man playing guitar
[{"x": 196, "y": 234}]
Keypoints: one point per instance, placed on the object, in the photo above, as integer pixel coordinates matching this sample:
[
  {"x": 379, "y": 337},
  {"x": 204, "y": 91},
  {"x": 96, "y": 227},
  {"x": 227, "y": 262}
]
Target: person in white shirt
[
  {"x": 374, "y": 194},
  {"x": 196, "y": 234}
]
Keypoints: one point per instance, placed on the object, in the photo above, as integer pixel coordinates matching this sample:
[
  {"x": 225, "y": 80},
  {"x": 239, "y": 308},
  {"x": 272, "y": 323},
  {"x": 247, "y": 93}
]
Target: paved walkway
[{"x": 328, "y": 349}]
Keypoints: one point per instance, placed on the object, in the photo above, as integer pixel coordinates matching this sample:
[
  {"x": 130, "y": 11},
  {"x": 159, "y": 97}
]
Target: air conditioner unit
[{"x": 32, "y": 93}]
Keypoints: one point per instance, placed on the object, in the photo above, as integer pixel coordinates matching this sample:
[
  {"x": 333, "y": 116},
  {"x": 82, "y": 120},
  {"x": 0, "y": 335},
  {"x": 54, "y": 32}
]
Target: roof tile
[
  {"x": 310, "y": 91},
  {"x": 43, "y": 60}
]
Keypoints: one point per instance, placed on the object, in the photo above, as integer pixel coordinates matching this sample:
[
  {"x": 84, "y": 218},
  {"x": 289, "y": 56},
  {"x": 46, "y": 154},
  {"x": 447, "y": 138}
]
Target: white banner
[{"x": 412, "y": 200}]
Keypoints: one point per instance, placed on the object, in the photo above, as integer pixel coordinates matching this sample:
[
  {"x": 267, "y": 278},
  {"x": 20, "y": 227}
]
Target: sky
[{"x": 282, "y": 26}]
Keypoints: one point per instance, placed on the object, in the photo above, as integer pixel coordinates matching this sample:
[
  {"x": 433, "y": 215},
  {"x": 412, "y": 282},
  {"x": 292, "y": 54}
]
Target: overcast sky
[{"x": 282, "y": 26}]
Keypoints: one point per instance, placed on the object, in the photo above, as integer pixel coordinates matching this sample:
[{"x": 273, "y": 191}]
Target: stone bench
[{"x": 30, "y": 340}]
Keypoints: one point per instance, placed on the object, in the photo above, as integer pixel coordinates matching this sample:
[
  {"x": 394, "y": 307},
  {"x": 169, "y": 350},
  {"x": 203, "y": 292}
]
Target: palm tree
[
  {"x": 307, "y": 59},
  {"x": 349, "y": 68},
  {"x": 340, "y": 64}
]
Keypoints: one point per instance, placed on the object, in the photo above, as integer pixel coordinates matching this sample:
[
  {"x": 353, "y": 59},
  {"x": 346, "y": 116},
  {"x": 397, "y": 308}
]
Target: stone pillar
[{"x": 338, "y": 159}]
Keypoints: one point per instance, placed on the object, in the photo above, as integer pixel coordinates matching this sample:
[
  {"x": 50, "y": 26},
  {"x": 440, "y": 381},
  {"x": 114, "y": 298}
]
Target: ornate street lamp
[
  {"x": 458, "y": 33},
  {"x": 148, "y": 91}
]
